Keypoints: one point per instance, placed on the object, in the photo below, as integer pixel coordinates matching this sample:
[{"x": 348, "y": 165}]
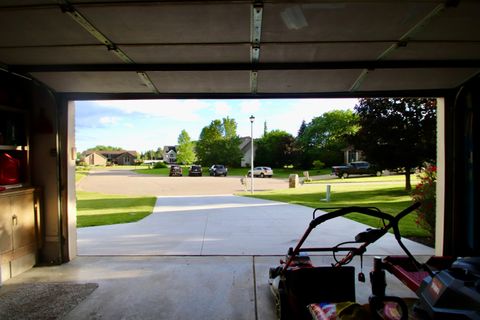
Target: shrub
[
  {"x": 425, "y": 193},
  {"x": 160, "y": 165},
  {"x": 82, "y": 164},
  {"x": 317, "y": 164}
]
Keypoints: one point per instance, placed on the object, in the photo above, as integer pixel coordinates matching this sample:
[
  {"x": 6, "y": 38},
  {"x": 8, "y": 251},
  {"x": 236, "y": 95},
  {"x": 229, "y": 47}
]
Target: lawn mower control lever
[{"x": 370, "y": 235}]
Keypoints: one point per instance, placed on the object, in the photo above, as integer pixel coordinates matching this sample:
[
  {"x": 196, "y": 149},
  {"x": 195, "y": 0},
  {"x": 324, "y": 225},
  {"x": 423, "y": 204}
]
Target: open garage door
[{"x": 54, "y": 52}]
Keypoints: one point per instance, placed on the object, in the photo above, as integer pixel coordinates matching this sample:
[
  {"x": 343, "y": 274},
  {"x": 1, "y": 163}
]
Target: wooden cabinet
[
  {"x": 19, "y": 216},
  {"x": 19, "y": 204}
]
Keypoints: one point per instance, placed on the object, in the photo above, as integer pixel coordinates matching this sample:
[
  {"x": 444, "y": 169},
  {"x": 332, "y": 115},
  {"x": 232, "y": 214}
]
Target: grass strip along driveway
[
  {"x": 96, "y": 209},
  {"x": 386, "y": 193}
]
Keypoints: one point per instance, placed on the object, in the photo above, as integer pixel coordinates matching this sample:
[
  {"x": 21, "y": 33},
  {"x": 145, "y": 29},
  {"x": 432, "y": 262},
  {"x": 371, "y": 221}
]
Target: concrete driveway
[{"x": 224, "y": 225}]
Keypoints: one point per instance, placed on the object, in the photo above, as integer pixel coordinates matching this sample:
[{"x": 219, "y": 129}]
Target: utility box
[{"x": 293, "y": 181}]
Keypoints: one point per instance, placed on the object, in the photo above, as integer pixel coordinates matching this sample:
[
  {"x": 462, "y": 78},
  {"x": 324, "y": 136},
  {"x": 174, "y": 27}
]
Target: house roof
[
  {"x": 245, "y": 144},
  {"x": 167, "y": 149},
  {"x": 237, "y": 48},
  {"x": 112, "y": 153},
  {"x": 94, "y": 153}
]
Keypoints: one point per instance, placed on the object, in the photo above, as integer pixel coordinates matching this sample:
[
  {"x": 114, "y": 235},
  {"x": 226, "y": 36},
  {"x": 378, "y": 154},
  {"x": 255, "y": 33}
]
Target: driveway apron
[{"x": 225, "y": 225}]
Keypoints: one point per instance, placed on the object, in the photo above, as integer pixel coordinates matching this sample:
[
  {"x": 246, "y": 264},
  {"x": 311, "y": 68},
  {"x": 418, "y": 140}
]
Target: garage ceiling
[{"x": 241, "y": 48}]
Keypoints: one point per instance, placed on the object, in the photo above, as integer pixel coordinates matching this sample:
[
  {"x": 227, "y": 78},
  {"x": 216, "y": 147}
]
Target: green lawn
[
  {"x": 388, "y": 197},
  {"x": 354, "y": 179},
  {"x": 95, "y": 209},
  {"x": 80, "y": 173},
  {"x": 279, "y": 172},
  {"x": 159, "y": 172}
]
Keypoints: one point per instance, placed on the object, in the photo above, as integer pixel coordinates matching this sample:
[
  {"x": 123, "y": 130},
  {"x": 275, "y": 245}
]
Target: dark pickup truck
[{"x": 356, "y": 167}]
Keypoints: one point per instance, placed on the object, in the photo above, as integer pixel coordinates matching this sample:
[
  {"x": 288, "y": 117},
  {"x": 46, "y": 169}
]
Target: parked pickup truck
[{"x": 356, "y": 167}]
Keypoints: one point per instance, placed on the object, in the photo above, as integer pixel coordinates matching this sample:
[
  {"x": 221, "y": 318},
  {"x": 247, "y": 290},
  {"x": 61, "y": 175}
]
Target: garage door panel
[
  {"x": 96, "y": 82},
  {"x": 291, "y": 81},
  {"x": 153, "y": 23},
  {"x": 341, "y": 21},
  {"x": 412, "y": 79},
  {"x": 201, "y": 81},
  {"x": 212, "y": 53}
]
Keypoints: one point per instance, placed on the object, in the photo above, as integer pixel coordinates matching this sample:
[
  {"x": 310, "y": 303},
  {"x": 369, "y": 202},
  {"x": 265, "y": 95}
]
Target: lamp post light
[{"x": 252, "y": 119}]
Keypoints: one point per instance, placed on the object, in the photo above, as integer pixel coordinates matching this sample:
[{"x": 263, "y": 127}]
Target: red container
[{"x": 9, "y": 169}]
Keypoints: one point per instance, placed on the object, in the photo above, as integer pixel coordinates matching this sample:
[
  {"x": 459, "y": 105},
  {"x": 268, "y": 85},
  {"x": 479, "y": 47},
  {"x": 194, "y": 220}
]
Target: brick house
[{"x": 121, "y": 157}]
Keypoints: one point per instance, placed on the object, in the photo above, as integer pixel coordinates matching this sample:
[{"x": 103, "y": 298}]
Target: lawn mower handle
[
  {"x": 343, "y": 211},
  {"x": 393, "y": 223}
]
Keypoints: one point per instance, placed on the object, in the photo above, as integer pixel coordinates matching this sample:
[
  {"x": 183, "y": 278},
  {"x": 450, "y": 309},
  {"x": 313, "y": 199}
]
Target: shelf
[
  {"x": 11, "y": 109},
  {"x": 9, "y": 148}
]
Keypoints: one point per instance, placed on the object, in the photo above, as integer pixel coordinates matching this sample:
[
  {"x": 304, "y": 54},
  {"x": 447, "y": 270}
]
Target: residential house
[
  {"x": 121, "y": 157},
  {"x": 95, "y": 159},
  {"x": 170, "y": 154},
  {"x": 246, "y": 148},
  {"x": 350, "y": 154},
  {"x": 126, "y": 158}
]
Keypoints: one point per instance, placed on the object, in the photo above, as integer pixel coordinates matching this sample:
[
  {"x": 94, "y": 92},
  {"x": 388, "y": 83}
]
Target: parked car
[
  {"x": 175, "y": 171},
  {"x": 261, "y": 172},
  {"x": 195, "y": 170},
  {"x": 218, "y": 170},
  {"x": 356, "y": 167}
]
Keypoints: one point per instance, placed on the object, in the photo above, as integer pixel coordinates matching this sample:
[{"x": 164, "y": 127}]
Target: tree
[
  {"x": 105, "y": 148},
  {"x": 275, "y": 149},
  {"x": 325, "y": 137},
  {"x": 148, "y": 155},
  {"x": 301, "y": 158},
  {"x": 229, "y": 127},
  {"x": 397, "y": 132},
  {"x": 159, "y": 153},
  {"x": 219, "y": 143},
  {"x": 185, "y": 150},
  {"x": 302, "y": 129}
]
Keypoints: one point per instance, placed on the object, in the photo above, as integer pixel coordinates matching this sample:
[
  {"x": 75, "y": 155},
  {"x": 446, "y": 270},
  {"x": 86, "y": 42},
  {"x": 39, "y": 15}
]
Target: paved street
[{"x": 118, "y": 181}]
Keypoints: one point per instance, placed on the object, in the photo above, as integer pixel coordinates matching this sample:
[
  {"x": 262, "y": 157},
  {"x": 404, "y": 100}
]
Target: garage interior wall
[
  {"x": 462, "y": 178},
  {"x": 44, "y": 165}
]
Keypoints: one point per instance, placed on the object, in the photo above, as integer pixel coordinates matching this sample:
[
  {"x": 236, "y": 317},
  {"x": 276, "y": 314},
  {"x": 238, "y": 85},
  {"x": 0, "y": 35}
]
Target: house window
[{"x": 351, "y": 156}]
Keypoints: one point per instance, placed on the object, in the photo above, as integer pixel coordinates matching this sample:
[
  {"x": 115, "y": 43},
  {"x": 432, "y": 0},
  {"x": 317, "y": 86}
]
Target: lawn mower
[{"x": 445, "y": 288}]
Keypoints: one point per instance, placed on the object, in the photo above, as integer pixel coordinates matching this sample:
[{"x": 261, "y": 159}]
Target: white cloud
[
  {"x": 250, "y": 106},
  {"x": 221, "y": 108},
  {"x": 171, "y": 116},
  {"x": 290, "y": 121},
  {"x": 178, "y": 110},
  {"x": 108, "y": 120}
]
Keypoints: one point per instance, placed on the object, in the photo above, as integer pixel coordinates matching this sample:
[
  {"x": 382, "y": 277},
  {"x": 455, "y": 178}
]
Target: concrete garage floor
[{"x": 153, "y": 287}]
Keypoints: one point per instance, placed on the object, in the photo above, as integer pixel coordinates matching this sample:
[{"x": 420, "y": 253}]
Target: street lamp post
[{"x": 252, "y": 119}]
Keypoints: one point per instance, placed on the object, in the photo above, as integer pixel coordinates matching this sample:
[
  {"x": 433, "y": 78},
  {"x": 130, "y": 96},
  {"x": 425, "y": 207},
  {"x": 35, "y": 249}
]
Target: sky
[{"x": 143, "y": 125}]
